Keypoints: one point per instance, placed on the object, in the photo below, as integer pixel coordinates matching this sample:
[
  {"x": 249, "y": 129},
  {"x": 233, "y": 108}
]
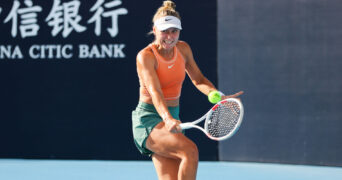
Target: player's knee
[{"x": 191, "y": 152}]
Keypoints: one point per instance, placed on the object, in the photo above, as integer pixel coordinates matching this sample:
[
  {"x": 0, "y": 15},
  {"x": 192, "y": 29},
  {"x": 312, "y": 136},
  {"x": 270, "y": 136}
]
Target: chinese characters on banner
[
  {"x": 63, "y": 19},
  {"x": 113, "y": 14},
  {"x": 27, "y": 16}
]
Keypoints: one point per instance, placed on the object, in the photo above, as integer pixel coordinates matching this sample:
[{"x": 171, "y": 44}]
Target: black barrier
[
  {"x": 68, "y": 75},
  {"x": 286, "y": 56}
]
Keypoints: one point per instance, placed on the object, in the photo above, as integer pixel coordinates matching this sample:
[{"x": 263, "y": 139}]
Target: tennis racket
[{"x": 222, "y": 121}]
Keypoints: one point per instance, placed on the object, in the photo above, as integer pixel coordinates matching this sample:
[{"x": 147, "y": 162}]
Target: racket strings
[{"x": 224, "y": 119}]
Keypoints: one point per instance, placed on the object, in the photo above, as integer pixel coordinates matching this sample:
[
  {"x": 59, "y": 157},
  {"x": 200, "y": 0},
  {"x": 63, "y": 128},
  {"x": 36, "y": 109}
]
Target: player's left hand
[{"x": 236, "y": 95}]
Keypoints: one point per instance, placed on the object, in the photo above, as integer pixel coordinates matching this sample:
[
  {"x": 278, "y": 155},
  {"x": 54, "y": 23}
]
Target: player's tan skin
[{"x": 175, "y": 156}]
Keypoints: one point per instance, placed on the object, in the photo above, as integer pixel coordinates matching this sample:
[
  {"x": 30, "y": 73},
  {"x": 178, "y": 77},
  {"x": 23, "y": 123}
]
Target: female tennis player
[{"x": 161, "y": 68}]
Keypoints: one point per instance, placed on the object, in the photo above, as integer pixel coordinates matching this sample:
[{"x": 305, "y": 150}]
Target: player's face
[{"x": 167, "y": 38}]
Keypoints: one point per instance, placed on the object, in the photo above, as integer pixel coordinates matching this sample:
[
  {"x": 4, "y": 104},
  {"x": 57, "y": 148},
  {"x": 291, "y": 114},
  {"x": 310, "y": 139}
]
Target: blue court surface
[{"x": 16, "y": 169}]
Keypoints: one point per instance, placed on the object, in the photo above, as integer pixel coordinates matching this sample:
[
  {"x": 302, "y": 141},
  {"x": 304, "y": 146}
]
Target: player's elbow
[{"x": 155, "y": 93}]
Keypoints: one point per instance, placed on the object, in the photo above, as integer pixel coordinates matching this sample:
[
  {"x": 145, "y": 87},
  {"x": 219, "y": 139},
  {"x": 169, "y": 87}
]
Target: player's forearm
[{"x": 205, "y": 86}]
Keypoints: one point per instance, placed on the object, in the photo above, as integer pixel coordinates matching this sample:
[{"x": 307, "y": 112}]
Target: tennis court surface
[{"x": 18, "y": 169}]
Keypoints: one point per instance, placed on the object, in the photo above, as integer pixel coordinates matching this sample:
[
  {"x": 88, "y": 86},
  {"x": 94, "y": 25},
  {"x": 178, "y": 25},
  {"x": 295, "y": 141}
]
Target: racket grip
[{"x": 185, "y": 126}]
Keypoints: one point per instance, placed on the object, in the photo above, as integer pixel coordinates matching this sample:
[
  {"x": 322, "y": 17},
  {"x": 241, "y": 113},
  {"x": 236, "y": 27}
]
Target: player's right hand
[{"x": 172, "y": 125}]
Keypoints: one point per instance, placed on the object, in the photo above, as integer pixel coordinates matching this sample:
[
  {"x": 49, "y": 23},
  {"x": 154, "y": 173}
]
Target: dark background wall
[
  {"x": 286, "y": 56},
  {"x": 81, "y": 108}
]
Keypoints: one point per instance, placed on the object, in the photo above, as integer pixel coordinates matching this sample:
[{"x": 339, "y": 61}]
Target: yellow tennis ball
[{"x": 214, "y": 97}]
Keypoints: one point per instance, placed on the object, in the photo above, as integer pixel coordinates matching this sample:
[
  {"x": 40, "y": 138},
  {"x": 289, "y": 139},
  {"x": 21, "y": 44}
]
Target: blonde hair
[{"x": 167, "y": 9}]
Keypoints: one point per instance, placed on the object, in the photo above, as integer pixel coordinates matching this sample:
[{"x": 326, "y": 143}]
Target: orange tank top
[{"x": 171, "y": 73}]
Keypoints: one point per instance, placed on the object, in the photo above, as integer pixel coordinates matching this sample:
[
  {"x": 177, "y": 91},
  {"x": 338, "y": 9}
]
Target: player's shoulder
[
  {"x": 183, "y": 45},
  {"x": 184, "y": 48},
  {"x": 145, "y": 55}
]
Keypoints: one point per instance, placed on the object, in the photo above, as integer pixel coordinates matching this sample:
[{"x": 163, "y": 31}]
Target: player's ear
[{"x": 154, "y": 30}]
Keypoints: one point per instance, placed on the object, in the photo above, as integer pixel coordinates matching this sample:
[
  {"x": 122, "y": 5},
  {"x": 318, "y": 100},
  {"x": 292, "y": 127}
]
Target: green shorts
[{"x": 144, "y": 118}]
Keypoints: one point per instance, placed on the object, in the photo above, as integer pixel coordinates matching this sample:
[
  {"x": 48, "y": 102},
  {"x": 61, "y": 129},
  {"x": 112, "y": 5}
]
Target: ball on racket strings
[{"x": 214, "y": 97}]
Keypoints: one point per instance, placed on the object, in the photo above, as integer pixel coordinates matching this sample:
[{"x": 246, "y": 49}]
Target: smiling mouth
[{"x": 168, "y": 42}]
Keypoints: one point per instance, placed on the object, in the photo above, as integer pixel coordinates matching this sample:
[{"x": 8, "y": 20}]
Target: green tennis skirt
[{"x": 144, "y": 118}]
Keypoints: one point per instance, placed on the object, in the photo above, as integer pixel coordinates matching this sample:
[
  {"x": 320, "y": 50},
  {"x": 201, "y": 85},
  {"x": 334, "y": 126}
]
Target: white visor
[{"x": 167, "y": 22}]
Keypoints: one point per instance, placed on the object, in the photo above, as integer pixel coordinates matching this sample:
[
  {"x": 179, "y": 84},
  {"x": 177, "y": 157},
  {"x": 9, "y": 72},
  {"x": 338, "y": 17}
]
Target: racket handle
[{"x": 186, "y": 126}]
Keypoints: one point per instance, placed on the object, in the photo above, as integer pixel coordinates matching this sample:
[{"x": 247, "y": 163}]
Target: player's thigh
[{"x": 172, "y": 145}]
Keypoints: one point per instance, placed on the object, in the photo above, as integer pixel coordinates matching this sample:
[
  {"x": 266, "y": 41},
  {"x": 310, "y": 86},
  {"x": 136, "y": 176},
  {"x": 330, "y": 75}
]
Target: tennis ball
[{"x": 214, "y": 97}]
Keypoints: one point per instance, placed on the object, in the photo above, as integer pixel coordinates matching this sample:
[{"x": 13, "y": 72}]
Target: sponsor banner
[{"x": 29, "y": 29}]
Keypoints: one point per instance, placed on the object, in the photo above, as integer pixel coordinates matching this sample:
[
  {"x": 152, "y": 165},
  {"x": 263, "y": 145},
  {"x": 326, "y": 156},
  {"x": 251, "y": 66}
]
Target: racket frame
[{"x": 205, "y": 117}]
